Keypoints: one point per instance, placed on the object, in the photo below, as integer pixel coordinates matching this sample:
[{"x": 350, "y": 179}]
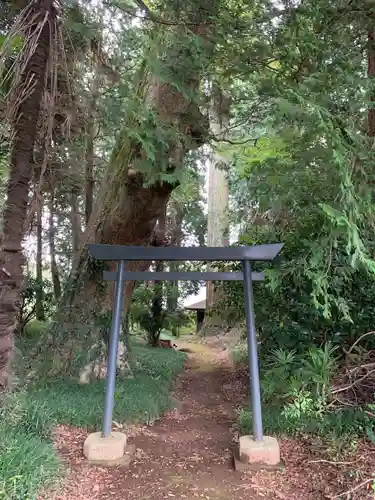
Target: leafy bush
[
  {"x": 288, "y": 373},
  {"x": 288, "y": 314},
  {"x": 34, "y": 329},
  {"x": 296, "y": 393}
]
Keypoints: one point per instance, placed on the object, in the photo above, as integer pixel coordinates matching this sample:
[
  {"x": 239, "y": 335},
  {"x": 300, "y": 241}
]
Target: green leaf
[{"x": 337, "y": 216}]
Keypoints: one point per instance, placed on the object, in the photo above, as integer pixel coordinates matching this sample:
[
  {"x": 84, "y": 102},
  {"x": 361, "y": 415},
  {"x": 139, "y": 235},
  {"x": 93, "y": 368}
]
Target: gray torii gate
[{"x": 124, "y": 254}]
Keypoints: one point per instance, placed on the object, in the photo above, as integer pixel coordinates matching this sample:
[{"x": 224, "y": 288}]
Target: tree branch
[
  {"x": 150, "y": 16},
  {"x": 352, "y": 490},
  {"x": 235, "y": 143}
]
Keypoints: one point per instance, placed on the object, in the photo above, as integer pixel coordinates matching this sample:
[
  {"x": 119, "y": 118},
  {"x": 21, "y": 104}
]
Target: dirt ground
[{"x": 186, "y": 455}]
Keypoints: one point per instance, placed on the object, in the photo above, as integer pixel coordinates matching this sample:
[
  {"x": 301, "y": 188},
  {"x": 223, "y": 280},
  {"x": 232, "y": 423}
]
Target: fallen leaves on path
[{"x": 309, "y": 479}]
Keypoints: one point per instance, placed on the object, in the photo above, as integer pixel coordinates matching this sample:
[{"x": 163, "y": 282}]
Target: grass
[
  {"x": 141, "y": 399},
  {"x": 337, "y": 432},
  {"x": 336, "y": 428},
  {"x": 239, "y": 355},
  {"x": 28, "y": 462}
]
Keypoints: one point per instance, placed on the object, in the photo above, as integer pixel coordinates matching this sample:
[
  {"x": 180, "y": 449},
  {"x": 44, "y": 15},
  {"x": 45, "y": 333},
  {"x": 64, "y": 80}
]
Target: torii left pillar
[{"x": 108, "y": 448}]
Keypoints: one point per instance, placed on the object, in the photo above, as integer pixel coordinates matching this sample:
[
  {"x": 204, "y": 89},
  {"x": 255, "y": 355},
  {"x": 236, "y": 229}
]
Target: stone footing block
[
  {"x": 108, "y": 451},
  {"x": 257, "y": 455}
]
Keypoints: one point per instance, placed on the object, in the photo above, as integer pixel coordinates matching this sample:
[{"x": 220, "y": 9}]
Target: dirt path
[{"x": 185, "y": 455}]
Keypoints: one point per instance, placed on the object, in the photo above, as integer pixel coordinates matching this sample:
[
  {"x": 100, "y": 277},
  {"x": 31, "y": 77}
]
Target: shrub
[
  {"x": 34, "y": 329},
  {"x": 296, "y": 392},
  {"x": 288, "y": 373}
]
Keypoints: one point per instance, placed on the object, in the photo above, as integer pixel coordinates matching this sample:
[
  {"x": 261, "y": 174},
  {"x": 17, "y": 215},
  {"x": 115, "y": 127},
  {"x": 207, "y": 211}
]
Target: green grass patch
[
  {"x": 27, "y": 465},
  {"x": 28, "y": 462},
  {"x": 338, "y": 430},
  {"x": 141, "y": 399}
]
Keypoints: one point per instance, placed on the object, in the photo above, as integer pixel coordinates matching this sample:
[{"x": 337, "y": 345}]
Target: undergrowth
[
  {"x": 28, "y": 461},
  {"x": 297, "y": 400}
]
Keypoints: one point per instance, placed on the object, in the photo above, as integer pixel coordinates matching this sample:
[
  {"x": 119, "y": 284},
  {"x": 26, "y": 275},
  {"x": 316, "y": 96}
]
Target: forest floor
[{"x": 186, "y": 454}]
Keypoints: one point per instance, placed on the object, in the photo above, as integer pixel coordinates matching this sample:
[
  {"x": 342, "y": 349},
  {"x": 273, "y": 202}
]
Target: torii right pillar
[{"x": 255, "y": 451}]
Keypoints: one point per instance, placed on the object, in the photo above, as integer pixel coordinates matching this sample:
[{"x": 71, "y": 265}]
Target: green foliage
[
  {"x": 27, "y": 464},
  {"x": 34, "y": 329},
  {"x": 295, "y": 321},
  {"x": 28, "y": 461},
  {"x": 296, "y": 393},
  {"x": 20, "y": 412},
  {"x": 297, "y": 396},
  {"x": 301, "y": 170},
  {"x": 336, "y": 429},
  {"x": 28, "y": 305},
  {"x": 151, "y": 312}
]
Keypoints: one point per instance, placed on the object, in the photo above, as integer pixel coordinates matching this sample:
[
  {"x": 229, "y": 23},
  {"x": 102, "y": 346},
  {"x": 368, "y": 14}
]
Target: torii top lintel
[{"x": 249, "y": 253}]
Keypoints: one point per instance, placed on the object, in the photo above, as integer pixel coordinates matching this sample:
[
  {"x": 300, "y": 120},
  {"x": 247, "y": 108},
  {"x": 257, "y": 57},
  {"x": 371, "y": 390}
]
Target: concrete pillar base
[
  {"x": 109, "y": 451},
  {"x": 257, "y": 455}
]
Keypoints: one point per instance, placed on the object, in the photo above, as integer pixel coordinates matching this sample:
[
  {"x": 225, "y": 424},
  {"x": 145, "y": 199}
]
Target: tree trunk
[
  {"x": 91, "y": 132},
  {"x": 39, "y": 29},
  {"x": 157, "y": 311},
  {"x": 371, "y": 75},
  {"x": 39, "y": 306},
  {"x": 89, "y": 175},
  {"x": 75, "y": 220},
  {"x": 177, "y": 236},
  {"x": 52, "y": 250},
  {"x": 218, "y": 191}
]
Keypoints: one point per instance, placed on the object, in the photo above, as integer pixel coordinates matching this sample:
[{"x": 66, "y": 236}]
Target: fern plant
[{"x": 319, "y": 367}]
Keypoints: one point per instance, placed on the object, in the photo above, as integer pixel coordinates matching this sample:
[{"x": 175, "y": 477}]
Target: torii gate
[{"x": 105, "y": 447}]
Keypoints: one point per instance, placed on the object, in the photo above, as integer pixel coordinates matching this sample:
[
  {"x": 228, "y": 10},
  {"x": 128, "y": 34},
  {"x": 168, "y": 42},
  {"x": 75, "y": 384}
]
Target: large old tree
[
  {"x": 164, "y": 122},
  {"x": 37, "y": 24}
]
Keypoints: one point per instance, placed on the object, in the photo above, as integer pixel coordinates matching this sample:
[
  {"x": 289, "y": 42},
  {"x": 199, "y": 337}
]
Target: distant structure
[
  {"x": 197, "y": 303},
  {"x": 200, "y": 309}
]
